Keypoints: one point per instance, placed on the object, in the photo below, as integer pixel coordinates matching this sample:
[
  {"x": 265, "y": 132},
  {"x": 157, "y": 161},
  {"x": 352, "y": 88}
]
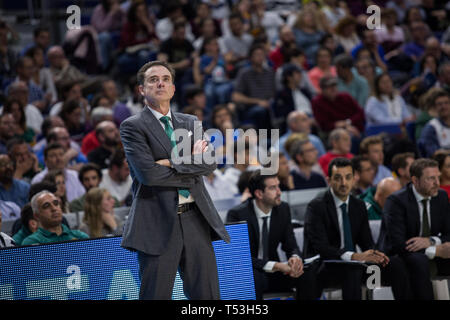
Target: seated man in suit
[
  {"x": 335, "y": 223},
  {"x": 269, "y": 224},
  {"x": 417, "y": 220}
]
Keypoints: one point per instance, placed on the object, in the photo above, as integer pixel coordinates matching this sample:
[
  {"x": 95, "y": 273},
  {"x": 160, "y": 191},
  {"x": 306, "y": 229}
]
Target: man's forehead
[
  {"x": 157, "y": 71},
  {"x": 271, "y": 181},
  {"x": 341, "y": 170},
  {"x": 46, "y": 197}
]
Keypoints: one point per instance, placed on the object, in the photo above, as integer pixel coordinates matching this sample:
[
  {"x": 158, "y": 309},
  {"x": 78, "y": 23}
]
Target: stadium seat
[{"x": 393, "y": 128}]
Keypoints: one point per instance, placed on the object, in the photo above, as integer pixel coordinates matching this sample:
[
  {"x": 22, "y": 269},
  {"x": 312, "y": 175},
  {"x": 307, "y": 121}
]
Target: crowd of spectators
[{"x": 311, "y": 69}]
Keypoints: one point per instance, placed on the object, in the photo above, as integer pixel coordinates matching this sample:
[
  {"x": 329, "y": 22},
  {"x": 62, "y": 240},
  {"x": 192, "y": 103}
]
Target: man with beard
[
  {"x": 116, "y": 179},
  {"x": 47, "y": 211},
  {"x": 269, "y": 224},
  {"x": 335, "y": 223},
  {"x": 11, "y": 189},
  {"x": 108, "y": 136},
  {"x": 418, "y": 227}
]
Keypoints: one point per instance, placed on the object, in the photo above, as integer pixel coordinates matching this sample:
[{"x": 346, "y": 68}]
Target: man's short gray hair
[{"x": 34, "y": 204}]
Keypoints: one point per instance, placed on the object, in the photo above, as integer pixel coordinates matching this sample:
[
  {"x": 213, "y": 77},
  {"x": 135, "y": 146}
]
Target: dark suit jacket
[
  {"x": 322, "y": 234},
  {"x": 155, "y": 196},
  {"x": 280, "y": 231},
  {"x": 401, "y": 219}
]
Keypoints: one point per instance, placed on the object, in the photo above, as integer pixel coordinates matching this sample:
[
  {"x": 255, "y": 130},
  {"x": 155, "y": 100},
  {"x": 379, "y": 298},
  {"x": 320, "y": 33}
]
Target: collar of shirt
[
  {"x": 158, "y": 115},
  {"x": 259, "y": 213},
  {"x": 338, "y": 202},
  {"x": 49, "y": 234}
]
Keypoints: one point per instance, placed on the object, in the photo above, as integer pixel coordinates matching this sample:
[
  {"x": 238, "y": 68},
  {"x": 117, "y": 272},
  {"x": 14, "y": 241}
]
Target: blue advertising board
[{"x": 100, "y": 269}]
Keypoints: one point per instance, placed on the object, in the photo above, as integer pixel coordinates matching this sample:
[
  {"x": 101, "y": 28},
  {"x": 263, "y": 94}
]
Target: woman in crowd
[
  {"x": 346, "y": 34},
  {"x": 386, "y": 106},
  {"x": 324, "y": 67},
  {"x": 99, "y": 219},
  {"x": 14, "y": 107},
  {"x": 57, "y": 177}
]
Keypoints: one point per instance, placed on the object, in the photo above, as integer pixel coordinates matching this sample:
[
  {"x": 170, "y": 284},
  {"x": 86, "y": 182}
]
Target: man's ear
[
  {"x": 258, "y": 194},
  {"x": 141, "y": 90}
]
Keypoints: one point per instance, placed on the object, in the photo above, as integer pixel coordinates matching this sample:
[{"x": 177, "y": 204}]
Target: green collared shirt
[
  {"x": 21, "y": 235},
  {"x": 373, "y": 208},
  {"x": 43, "y": 236}
]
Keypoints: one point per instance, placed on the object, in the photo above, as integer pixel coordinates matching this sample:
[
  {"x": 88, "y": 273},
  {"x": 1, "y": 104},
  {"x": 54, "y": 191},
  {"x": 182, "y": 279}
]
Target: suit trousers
[{"x": 189, "y": 251}]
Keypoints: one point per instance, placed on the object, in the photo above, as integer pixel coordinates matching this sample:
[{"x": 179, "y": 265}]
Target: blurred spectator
[
  {"x": 333, "y": 12},
  {"x": 308, "y": 32},
  {"x": 375, "y": 197},
  {"x": 241, "y": 163},
  {"x": 400, "y": 7},
  {"x": 217, "y": 85},
  {"x": 282, "y": 51},
  {"x": 116, "y": 178},
  {"x": 41, "y": 75},
  {"x": 386, "y": 106},
  {"x": 8, "y": 58},
  {"x": 61, "y": 68},
  {"x": 219, "y": 9},
  {"x": 138, "y": 39},
  {"x": 120, "y": 110},
  {"x": 254, "y": 89},
  {"x": 328, "y": 41},
  {"x": 389, "y": 36},
  {"x": 265, "y": 22},
  {"x": 400, "y": 166},
  {"x": 54, "y": 159},
  {"x": 295, "y": 57},
  {"x": 372, "y": 147},
  {"x": 345, "y": 33},
  {"x": 235, "y": 46},
  {"x": 349, "y": 81},
  {"x": 435, "y": 14},
  {"x": 333, "y": 109},
  {"x": 99, "y": 219},
  {"x": 218, "y": 187},
  {"x": 72, "y": 157},
  {"x": 21, "y": 129},
  {"x": 444, "y": 76},
  {"x": 108, "y": 136},
  {"x": 323, "y": 67},
  {"x": 173, "y": 12},
  {"x": 436, "y": 134},
  {"x": 284, "y": 175},
  {"x": 369, "y": 42},
  {"x": 178, "y": 52},
  {"x": 98, "y": 115},
  {"x": 367, "y": 69},
  {"x": 5, "y": 240},
  {"x": 25, "y": 161},
  {"x": 416, "y": 47},
  {"x": 7, "y": 130},
  {"x": 195, "y": 98},
  {"x": 291, "y": 97},
  {"x": 107, "y": 19},
  {"x": 443, "y": 159},
  {"x": 364, "y": 174},
  {"x": 41, "y": 39},
  {"x": 341, "y": 144},
  {"x": 71, "y": 90},
  {"x": 135, "y": 102},
  {"x": 71, "y": 113},
  {"x": 9, "y": 210},
  {"x": 47, "y": 211},
  {"x": 19, "y": 91},
  {"x": 57, "y": 177},
  {"x": 49, "y": 123},
  {"x": 11, "y": 189},
  {"x": 304, "y": 155},
  {"x": 29, "y": 225},
  {"x": 208, "y": 28},
  {"x": 300, "y": 122}
]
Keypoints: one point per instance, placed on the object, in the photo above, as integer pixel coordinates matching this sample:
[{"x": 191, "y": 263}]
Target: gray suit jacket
[{"x": 155, "y": 197}]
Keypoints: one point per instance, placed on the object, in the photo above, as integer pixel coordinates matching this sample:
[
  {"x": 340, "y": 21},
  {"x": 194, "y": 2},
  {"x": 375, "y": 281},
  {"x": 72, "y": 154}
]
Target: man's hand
[
  {"x": 417, "y": 243},
  {"x": 200, "y": 146},
  {"x": 164, "y": 162},
  {"x": 282, "y": 267},
  {"x": 296, "y": 265},
  {"x": 443, "y": 250},
  {"x": 372, "y": 256}
]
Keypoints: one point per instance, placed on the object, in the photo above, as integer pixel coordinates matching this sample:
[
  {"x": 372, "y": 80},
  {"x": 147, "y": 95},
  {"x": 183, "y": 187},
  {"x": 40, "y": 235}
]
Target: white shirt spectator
[
  {"x": 117, "y": 190},
  {"x": 9, "y": 210},
  {"x": 220, "y": 188}
]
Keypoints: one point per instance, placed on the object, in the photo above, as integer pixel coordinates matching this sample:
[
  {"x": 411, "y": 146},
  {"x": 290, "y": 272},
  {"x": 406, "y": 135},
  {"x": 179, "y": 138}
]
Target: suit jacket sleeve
[
  {"x": 140, "y": 159},
  {"x": 289, "y": 243},
  {"x": 395, "y": 212}
]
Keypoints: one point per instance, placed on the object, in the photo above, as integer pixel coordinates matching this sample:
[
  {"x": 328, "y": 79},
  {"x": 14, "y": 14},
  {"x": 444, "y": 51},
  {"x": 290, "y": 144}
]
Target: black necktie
[
  {"x": 425, "y": 223},
  {"x": 348, "y": 241},
  {"x": 265, "y": 239}
]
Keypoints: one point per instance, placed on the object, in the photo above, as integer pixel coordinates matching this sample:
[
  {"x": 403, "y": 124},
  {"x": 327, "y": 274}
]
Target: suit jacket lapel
[
  {"x": 332, "y": 211},
  {"x": 414, "y": 210},
  {"x": 157, "y": 130}
]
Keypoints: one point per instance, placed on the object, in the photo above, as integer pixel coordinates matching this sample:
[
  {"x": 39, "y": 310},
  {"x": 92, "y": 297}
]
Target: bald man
[
  {"x": 300, "y": 122},
  {"x": 375, "y": 197}
]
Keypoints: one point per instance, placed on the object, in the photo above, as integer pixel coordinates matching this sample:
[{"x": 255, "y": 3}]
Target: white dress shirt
[
  {"x": 346, "y": 256},
  {"x": 430, "y": 251},
  {"x": 158, "y": 115}
]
